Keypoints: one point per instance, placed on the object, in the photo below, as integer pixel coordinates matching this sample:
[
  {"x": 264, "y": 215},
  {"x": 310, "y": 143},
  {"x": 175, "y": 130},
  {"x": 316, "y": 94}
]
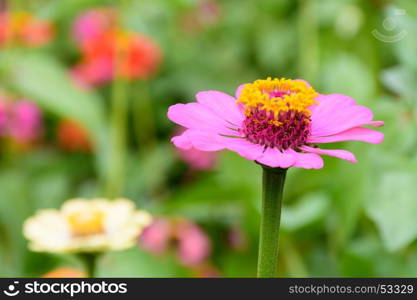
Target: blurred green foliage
[{"x": 344, "y": 220}]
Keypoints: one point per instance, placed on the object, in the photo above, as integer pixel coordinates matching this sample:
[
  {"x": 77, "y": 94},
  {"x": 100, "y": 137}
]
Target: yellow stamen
[
  {"x": 295, "y": 95},
  {"x": 86, "y": 222}
]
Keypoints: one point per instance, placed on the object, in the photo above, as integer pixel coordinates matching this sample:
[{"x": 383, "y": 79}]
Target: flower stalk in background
[
  {"x": 87, "y": 228},
  {"x": 278, "y": 124},
  {"x": 109, "y": 53}
]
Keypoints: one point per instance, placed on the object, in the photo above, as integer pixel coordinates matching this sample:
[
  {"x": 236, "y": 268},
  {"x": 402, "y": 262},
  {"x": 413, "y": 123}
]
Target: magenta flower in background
[
  {"x": 194, "y": 246},
  {"x": 276, "y": 122},
  {"x": 93, "y": 23},
  {"x": 25, "y": 121},
  {"x": 155, "y": 237},
  {"x": 97, "y": 71},
  {"x": 190, "y": 242},
  {"x": 237, "y": 238},
  {"x": 20, "y": 120},
  {"x": 3, "y": 116},
  {"x": 109, "y": 51},
  {"x": 197, "y": 159}
]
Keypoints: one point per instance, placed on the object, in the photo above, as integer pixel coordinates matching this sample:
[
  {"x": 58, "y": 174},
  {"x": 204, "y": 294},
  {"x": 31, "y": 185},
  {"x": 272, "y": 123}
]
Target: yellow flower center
[
  {"x": 278, "y": 95},
  {"x": 86, "y": 222}
]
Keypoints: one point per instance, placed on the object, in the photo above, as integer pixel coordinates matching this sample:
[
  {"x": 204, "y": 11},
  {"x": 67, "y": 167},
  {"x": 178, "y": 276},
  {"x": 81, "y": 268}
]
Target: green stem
[
  {"x": 90, "y": 262},
  {"x": 272, "y": 185},
  {"x": 144, "y": 120}
]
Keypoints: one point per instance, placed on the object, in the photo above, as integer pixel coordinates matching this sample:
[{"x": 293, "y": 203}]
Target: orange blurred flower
[
  {"x": 25, "y": 29},
  {"x": 72, "y": 136},
  {"x": 65, "y": 272}
]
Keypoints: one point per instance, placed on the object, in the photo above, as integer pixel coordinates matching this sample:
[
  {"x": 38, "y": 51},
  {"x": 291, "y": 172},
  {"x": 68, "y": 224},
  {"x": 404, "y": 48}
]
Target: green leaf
[
  {"x": 366, "y": 257},
  {"x": 46, "y": 82},
  {"x": 139, "y": 263},
  {"x": 347, "y": 74},
  {"x": 394, "y": 208},
  {"x": 148, "y": 173},
  {"x": 312, "y": 207}
]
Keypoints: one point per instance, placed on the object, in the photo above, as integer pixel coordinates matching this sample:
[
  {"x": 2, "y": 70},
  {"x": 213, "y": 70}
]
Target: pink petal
[
  {"x": 197, "y": 116},
  {"x": 343, "y": 154},
  {"x": 222, "y": 105},
  {"x": 208, "y": 141},
  {"x": 376, "y": 123},
  {"x": 337, "y": 113},
  {"x": 243, "y": 147},
  {"x": 307, "y": 160},
  {"x": 239, "y": 89},
  {"x": 356, "y": 134},
  {"x": 200, "y": 140},
  {"x": 274, "y": 158},
  {"x": 182, "y": 141}
]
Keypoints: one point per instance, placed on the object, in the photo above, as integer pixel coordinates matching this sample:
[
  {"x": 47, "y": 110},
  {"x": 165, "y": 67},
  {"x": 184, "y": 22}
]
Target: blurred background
[{"x": 84, "y": 90}]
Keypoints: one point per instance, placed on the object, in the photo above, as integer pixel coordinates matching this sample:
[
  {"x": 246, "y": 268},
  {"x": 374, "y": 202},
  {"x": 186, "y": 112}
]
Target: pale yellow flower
[{"x": 83, "y": 225}]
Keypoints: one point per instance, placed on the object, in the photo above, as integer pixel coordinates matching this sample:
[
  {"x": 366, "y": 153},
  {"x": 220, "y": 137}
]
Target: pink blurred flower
[
  {"x": 3, "y": 117},
  {"x": 193, "y": 244},
  {"x": 205, "y": 14},
  {"x": 208, "y": 11},
  {"x": 108, "y": 51},
  {"x": 94, "y": 72},
  {"x": 93, "y": 23},
  {"x": 198, "y": 160},
  {"x": 237, "y": 238},
  {"x": 155, "y": 237},
  {"x": 275, "y": 122},
  {"x": 25, "y": 121}
]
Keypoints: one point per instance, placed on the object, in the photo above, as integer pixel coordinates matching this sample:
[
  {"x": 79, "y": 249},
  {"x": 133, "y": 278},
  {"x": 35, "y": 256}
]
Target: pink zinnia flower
[{"x": 275, "y": 122}]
